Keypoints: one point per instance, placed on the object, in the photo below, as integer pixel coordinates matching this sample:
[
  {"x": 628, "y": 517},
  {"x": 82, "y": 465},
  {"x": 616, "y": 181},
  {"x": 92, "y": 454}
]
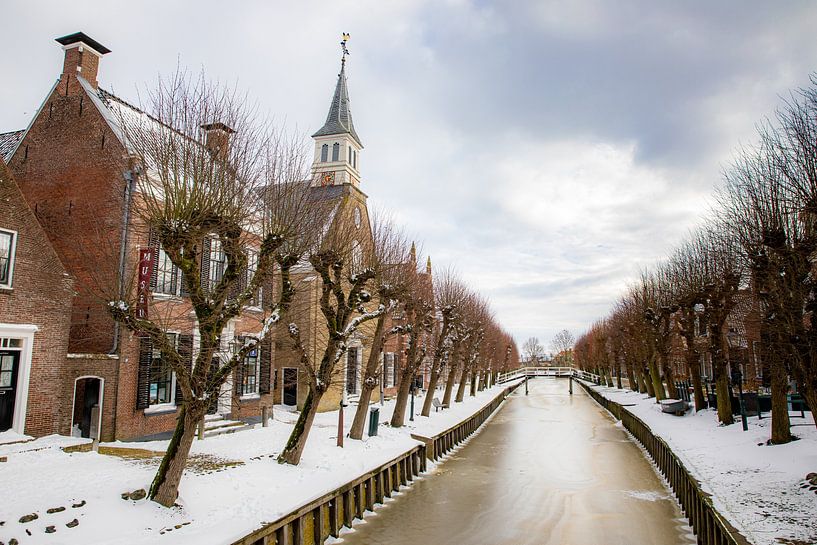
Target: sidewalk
[
  {"x": 758, "y": 488},
  {"x": 232, "y": 485}
]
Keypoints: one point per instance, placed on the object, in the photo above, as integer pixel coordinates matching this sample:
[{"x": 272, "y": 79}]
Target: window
[
  {"x": 349, "y": 156},
  {"x": 388, "y": 370},
  {"x": 324, "y": 153},
  {"x": 252, "y": 266},
  {"x": 218, "y": 261},
  {"x": 335, "y": 151},
  {"x": 8, "y": 241},
  {"x": 249, "y": 374},
  {"x": 354, "y": 158},
  {"x": 162, "y": 381},
  {"x": 167, "y": 275},
  {"x": 396, "y": 374}
]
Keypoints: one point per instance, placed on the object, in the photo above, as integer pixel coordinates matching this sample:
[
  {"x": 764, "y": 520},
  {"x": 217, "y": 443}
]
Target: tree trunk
[
  {"x": 669, "y": 376},
  {"x": 449, "y": 385},
  {"x": 165, "y": 486},
  {"x": 693, "y": 368},
  {"x": 398, "y": 417},
  {"x": 781, "y": 430},
  {"x": 297, "y": 441},
  {"x": 432, "y": 386},
  {"x": 371, "y": 379},
  {"x": 631, "y": 377},
  {"x": 461, "y": 386},
  {"x": 655, "y": 380},
  {"x": 722, "y": 389},
  {"x": 474, "y": 379},
  {"x": 646, "y": 383}
]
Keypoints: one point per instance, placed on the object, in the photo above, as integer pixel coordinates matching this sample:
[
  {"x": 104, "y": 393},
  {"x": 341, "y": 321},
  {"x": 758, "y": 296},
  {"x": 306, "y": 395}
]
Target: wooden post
[{"x": 264, "y": 416}]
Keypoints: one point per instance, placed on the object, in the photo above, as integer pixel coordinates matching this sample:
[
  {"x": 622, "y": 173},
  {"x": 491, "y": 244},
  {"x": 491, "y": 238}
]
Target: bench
[{"x": 437, "y": 405}]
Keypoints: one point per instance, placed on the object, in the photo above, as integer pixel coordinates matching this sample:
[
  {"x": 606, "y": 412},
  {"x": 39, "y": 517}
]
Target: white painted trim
[
  {"x": 81, "y": 45},
  {"x": 25, "y": 332},
  {"x": 101, "y": 402},
  {"x": 12, "y": 254}
]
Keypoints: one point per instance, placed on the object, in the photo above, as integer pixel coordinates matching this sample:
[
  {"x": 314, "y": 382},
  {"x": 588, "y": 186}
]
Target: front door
[
  {"x": 290, "y": 386},
  {"x": 9, "y": 365}
]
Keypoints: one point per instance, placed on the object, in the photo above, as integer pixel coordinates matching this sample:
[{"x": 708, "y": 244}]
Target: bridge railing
[{"x": 532, "y": 371}]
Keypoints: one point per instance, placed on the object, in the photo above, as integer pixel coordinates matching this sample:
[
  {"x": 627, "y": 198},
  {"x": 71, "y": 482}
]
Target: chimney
[
  {"x": 82, "y": 55},
  {"x": 217, "y": 138}
]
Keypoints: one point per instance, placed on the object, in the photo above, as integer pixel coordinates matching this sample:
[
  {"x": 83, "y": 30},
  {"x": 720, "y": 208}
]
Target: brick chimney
[
  {"x": 82, "y": 54},
  {"x": 217, "y": 138}
]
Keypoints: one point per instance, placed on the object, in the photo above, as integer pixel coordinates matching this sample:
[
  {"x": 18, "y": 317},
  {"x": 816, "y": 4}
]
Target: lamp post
[
  {"x": 411, "y": 417},
  {"x": 340, "y": 417},
  {"x": 737, "y": 377}
]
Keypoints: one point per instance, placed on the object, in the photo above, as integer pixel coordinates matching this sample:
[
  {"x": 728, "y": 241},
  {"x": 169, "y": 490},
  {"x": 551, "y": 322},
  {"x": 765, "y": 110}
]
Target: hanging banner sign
[{"x": 143, "y": 292}]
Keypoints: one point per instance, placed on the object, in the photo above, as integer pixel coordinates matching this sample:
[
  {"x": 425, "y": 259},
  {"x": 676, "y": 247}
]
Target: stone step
[
  {"x": 235, "y": 427},
  {"x": 218, "y": 424},
  {"x": 212, "y": 417}
]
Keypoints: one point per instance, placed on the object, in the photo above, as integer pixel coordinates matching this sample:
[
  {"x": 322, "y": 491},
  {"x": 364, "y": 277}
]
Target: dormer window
[
  {"x": 324, "y": 153},
  {"x": 335, "y": 151}
]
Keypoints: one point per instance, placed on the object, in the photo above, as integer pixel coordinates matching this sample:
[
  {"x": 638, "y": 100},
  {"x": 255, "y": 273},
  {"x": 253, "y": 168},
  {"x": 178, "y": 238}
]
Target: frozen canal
[{"x": 547, "y": 469}]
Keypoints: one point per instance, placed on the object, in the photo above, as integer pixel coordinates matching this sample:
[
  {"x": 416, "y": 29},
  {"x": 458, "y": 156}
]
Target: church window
[
  {"x": 335, "y": 151},
  {"x": 324, "y": 153}
]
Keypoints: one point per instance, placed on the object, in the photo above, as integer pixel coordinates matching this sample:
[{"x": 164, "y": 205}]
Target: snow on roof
[{"x": 9, "y": 142}]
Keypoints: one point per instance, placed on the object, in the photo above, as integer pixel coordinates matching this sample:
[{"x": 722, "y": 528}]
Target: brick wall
[{"x": 41, "y": 295}]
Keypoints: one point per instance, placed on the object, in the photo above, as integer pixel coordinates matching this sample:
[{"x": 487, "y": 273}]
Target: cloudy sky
[{"x": 545, "y": 149}]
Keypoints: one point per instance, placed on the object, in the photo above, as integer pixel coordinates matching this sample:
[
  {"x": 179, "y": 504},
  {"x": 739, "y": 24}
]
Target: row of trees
[
  {"x": 752, "y": 257},
  {"x": 247, "y": 187}
]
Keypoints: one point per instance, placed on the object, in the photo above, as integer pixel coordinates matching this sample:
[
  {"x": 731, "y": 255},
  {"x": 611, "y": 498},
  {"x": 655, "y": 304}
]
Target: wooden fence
[{"x": 708, "y": 524}]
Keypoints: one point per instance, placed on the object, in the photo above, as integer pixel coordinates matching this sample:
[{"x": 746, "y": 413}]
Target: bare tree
[
  {"x": 211, "y": 174},
  {"x": 346, "y": 268},
  {"x": 449, "y": 295},
  {"x": 562, "y": 346},
  {"x": 533, "y": 350},
  {"x": 392, "y": 285}
]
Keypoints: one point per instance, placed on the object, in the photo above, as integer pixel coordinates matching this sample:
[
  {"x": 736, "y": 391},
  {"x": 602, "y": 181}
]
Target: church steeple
[{"x": 337, "y": 145}]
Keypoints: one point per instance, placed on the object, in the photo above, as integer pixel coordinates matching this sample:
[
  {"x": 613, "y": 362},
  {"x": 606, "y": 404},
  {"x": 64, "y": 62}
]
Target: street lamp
[{"x": 733, "y": 339}]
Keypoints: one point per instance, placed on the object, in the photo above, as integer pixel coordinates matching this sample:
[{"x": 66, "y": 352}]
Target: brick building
[
  {"x": 35, "y": 303},
  {"x": 72, "y": 167}
]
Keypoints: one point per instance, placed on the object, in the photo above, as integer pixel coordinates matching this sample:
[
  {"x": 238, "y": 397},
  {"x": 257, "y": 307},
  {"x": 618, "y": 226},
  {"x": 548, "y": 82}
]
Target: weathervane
[{"x": 343, "y": 48}]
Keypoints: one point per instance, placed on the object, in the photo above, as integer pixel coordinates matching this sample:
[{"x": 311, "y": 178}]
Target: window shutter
[
  {"x": 143, "y": 376},
  {"x": 205, "y": 265},
  {"x": 186, "y": 352},
  {"x": 238, "y": 372},
  {"x": 153, "y": 244},
  {"x": 182, "y": 288},
  {"x": 265, "y": 366}
]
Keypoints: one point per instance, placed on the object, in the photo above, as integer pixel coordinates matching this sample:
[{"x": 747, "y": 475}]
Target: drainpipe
[{"x": 130, "y": 176}]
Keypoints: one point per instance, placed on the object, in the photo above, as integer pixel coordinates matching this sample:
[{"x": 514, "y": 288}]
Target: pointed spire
[
  {"x": 413, "y": 254},
  {"x": 428, "y": 265},
  {"x": 339, "y": 119}
]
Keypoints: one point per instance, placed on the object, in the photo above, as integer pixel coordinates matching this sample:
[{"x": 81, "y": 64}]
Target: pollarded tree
[
  {"x": 478, "y": 318},
  {"x": 391, "y": 259},
  {"x": 418, "y": 327},
  {"x": 211, "y": 174},
  {"x": 346, "y": 269},
  {"x": 449, "y": 295}
]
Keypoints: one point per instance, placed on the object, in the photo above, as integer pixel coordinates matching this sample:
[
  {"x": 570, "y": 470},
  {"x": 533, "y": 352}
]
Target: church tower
[{"x": 337, "y": 146}]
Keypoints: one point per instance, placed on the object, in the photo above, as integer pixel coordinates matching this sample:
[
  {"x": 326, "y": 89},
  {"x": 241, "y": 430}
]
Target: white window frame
[
  {"x": 257, "y": 392},
  {"x": 216, "y": 250},
  {"x": 12, "y": 254},
  {"x": 169, "y": 405},
  {"x": 388, "y": 366},
  {"x": 256, "y": 301},
  {"x": 174, "y": 271}
]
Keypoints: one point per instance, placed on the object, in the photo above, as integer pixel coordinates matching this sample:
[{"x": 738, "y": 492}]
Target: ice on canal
[{"x": 548, "y": 468}]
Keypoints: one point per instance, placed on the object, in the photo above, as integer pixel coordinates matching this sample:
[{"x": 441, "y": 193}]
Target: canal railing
[
  {"x": 314, "y": 522},
  {"x": 439, "y": 445},
  {"x": 710, "y": 527}
]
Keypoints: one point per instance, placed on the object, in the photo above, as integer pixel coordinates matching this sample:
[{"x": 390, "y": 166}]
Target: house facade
[{"x": 72, "y": 167}]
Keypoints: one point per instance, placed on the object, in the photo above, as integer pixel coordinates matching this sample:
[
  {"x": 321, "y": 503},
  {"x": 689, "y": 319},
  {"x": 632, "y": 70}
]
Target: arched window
[
  {"x": 335, "y": 151},
  {"x": 350, "y": 157},
  {"x": 324, "y": 153}
]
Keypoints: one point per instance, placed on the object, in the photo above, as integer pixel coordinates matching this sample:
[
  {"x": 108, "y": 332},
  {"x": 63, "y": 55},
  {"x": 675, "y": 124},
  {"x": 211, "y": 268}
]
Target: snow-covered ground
[
  {"x": 756, "y": 486},
  {"x": 232, "y": 485}
]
